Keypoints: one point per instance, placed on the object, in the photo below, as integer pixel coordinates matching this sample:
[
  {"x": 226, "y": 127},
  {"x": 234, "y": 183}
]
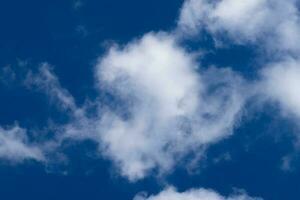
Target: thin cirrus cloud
[{"x": 47, "y": 82}]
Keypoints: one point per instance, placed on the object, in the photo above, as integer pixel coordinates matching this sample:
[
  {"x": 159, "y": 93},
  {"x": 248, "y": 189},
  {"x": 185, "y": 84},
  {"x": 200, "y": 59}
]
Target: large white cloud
[
  {"x": 172, "y": 109},
  {"x": 273, "y": 23},
  {"x": 193, "y": 194}
]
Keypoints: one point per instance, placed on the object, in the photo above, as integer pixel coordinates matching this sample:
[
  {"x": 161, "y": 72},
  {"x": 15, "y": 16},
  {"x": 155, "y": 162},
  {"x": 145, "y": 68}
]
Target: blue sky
[{"x": 150, "y": 100}]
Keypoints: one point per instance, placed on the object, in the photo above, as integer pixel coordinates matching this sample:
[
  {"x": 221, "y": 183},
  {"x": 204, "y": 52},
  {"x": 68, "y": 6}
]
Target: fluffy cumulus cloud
[
  {"x": 275, "y": 23},
  {"x": 15, "y": 146},
  {"x": 194, "y": 194},
  {"x": 171, "y": 108}
]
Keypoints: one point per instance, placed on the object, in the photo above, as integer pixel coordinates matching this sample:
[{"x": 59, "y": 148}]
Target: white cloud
[
  {"x": 172, "y": 109},
  {"x": 270, "y": 22},
  {"x": 193, "y": 194},
  {"x": 280, "y": 83},
  {"x": 14, "y": 146}
]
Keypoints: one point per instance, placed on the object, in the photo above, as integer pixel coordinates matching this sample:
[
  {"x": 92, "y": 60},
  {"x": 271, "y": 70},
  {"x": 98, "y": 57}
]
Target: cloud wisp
[{"x": 15, "y": 146}]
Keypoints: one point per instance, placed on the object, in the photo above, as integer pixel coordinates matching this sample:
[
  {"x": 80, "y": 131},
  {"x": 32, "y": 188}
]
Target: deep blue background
[{"x": 71, "y": 39}]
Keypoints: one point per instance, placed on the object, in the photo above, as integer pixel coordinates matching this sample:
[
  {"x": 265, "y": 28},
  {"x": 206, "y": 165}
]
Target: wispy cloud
[{"x": 15, "y": 145}]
